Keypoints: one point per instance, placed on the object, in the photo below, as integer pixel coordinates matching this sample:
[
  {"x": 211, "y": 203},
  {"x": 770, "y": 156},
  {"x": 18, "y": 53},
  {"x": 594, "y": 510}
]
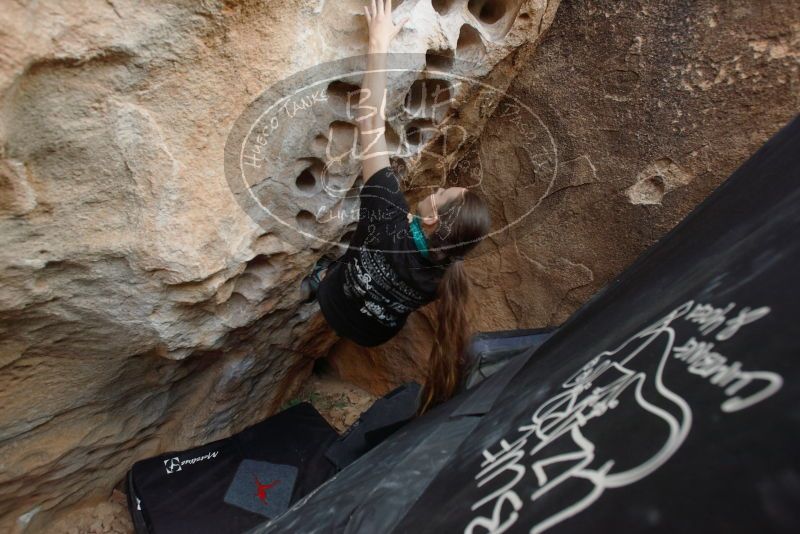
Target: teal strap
[{"x": 419, "y": 236}]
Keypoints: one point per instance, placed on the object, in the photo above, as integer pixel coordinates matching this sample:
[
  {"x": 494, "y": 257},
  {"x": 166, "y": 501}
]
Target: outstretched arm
[{"x": 371, "y": 108}]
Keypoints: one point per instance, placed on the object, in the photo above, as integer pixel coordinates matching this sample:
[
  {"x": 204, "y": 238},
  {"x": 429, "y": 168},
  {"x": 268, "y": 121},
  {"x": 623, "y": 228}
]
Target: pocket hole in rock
[
  {"x": 487, "y": 11},
  {"x": 305, "y": 219},
  {"x": 470, "y": 45},
  {"x": 306, "y": 182},
  {"x": 442, "y": 7},
  {"x": 497, "y": 15},
  {"x": 343, "y": 98},
  {"x": 429, "y": 99},
  {"x": 419, "y": 131},
  {"x": 439, "y": 60}
]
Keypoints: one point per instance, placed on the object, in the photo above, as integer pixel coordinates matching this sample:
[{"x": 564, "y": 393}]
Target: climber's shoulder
[
  {"x": 381, "y": 174},
  {"x": 374, "y": 164},
  {"x": 382, "y": 191}
]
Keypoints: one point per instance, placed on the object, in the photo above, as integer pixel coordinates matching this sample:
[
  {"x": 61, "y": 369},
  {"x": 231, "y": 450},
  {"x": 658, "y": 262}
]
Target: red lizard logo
[{"x": 262, "y": 489}]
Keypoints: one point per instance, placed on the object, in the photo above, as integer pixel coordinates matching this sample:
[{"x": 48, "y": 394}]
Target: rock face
[
  {"x": 141, "y": 309},
  {"x": 649, "y": 106}
]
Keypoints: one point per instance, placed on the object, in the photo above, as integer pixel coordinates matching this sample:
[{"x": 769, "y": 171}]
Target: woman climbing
[{"x": 398, "y": 261}]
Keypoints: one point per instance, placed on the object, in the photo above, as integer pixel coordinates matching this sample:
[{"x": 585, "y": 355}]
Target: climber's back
[{"x": 367, "y": 295}]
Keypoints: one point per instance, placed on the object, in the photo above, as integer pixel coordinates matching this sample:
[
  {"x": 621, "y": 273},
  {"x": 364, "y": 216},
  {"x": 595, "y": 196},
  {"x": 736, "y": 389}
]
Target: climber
[{"x": 398, "y": 261}]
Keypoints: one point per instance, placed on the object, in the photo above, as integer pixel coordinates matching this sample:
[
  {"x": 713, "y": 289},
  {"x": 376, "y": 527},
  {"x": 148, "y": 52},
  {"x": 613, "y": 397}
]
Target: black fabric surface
[
  {"x": 492, "y": 387},
  {"x": 191, "y": 498},
  {"x": 488, "y": 352},
  {"x": 368, "y": 294},
  {"x": 140, "y": 525},
  {"x": 386, "y": 415}
]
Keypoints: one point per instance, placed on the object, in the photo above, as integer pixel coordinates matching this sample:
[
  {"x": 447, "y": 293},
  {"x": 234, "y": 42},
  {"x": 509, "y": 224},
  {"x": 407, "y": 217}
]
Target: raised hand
[{"x": 379, "y": 20}]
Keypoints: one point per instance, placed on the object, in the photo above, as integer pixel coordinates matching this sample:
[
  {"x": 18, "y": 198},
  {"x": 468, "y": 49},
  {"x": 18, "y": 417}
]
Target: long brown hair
[{"x": 463, "y": 222}]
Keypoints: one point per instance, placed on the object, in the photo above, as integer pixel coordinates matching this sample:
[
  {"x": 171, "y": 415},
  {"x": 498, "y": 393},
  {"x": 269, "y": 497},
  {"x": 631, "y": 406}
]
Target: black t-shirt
[{"x": 367, "y": 294}]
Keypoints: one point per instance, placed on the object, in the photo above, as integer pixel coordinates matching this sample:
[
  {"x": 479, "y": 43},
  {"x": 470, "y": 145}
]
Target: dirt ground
[
  {"x": 338, "y": 401},
  {"x": 107, "y": 517}
]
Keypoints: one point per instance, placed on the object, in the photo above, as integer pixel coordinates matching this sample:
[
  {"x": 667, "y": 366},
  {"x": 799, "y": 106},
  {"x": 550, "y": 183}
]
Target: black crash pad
[{"x": 232, "y": 484}]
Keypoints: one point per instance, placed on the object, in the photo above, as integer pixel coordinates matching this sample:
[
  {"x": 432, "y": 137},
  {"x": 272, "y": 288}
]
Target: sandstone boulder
[{"x": 141, "y": 308}]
